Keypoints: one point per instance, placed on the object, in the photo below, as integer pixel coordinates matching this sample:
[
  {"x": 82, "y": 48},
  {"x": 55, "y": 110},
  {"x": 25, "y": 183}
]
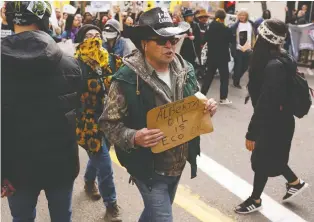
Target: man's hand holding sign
[{"x": 173, "y": 124}]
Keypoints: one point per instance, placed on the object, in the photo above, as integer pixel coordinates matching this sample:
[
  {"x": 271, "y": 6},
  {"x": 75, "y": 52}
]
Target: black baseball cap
[{"x": 160, "y": 21}]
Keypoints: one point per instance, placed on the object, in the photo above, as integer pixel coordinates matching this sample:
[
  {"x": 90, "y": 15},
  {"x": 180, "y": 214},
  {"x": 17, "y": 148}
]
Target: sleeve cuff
[
  {"x": 130, "y": 138},
  {"x": 250, "y": 136}
]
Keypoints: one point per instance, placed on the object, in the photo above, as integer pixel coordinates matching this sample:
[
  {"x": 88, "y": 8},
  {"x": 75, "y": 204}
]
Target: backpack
[{"x": 300, "y": 93}]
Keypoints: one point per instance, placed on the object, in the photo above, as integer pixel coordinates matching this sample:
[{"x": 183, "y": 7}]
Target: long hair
[
  {"x": 69, "y": 23},
  {"x": 264, "y": 51}
]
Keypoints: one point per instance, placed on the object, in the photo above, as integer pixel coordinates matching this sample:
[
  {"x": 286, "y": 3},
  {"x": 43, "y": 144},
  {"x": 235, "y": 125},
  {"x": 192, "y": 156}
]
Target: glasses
[
  {"x": 163, "y": 41},
  {"x": 90, "y": 35}
]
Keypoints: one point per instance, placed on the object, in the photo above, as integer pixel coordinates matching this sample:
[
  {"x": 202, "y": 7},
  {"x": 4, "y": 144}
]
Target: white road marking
[{"x": 271, "y": 209}]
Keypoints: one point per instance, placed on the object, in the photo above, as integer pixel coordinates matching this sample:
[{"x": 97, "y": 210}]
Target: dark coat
[
  {"x": 198, "y": 41},
  {"x": 234, "y": 29},
  {"x": 39, "y": 96},
  {"x": 272, "y": 124},
  {"x": 218, "y": 38},
  {"x": 188, "y": 50}
]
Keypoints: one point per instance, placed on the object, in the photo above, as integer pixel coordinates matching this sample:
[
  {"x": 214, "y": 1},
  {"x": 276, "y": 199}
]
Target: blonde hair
[{"x": 243, "y": 11}]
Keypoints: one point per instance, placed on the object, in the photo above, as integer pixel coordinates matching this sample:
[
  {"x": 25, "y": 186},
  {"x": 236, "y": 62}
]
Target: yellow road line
[{"x": 191, "y": 202}]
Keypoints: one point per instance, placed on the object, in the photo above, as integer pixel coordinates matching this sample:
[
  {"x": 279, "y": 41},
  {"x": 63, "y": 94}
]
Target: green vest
[{"x": 139, "y": 161}]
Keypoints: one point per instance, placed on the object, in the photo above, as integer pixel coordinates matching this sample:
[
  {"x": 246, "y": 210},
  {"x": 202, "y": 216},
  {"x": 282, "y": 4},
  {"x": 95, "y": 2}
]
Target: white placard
[
  {"x": 69, "y": 9},
  {"x": 98, "y": 6}
]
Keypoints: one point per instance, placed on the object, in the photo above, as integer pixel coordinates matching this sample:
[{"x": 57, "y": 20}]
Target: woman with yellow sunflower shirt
[{"x": 94, "y": 61}]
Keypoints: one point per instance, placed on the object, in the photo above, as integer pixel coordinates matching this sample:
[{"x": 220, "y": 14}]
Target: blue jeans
[
  {"x": 23, "y": 204},
  {"x": 241, "y": 64},
  {"x": 100, "y": 165},
  {"x": 158, "y": 201}
]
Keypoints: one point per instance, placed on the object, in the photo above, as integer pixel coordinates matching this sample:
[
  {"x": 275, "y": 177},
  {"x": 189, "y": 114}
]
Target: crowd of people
[{"x": 101, "y": 95}]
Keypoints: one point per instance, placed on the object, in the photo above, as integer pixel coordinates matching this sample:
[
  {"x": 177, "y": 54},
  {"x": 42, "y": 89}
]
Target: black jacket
[
  {"x": 198, "y": 41},
  {"x": 218, "y": 38},
  {"x": 272, "y": 124},
  {"x": 188, "y": 50},
  {"x": 39, "y": 96},
  {"x": 234, "y": 29}
]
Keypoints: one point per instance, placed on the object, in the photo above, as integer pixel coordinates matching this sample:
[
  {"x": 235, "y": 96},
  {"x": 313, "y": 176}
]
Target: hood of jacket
[
  {"x": 179, "y": 69},
  {"x": 30, "y": 51}
]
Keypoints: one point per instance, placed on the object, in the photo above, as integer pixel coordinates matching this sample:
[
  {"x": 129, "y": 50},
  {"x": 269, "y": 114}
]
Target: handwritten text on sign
[{"x": 180, "y": 122}]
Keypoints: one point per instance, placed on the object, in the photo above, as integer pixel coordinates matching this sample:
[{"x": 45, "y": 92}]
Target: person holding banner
[{"x": 153, "y": 75}]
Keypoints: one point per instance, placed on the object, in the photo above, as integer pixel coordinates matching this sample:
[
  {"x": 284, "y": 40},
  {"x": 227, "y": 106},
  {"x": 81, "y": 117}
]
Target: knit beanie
[{"x": 80, "y": 36}]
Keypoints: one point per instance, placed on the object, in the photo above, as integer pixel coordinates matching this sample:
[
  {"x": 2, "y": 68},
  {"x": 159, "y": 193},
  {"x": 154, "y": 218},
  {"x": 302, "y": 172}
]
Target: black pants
[
  {"x": 241, "y": 64},
  {"x": 260, "y": 181},
  {"x": 222, "y": 66}
]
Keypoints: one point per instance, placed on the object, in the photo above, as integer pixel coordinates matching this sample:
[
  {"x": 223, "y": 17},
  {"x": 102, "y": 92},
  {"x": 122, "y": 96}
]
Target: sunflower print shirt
[{"x": 97, "y": 73}]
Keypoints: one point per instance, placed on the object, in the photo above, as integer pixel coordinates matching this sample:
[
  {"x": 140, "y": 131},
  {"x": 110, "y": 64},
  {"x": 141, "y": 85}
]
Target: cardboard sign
[{"x": 180, "y": 121}]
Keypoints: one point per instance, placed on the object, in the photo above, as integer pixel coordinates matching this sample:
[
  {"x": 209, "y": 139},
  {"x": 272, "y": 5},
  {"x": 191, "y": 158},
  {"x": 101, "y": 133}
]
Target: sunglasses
[{"x": 163, "y": 41}]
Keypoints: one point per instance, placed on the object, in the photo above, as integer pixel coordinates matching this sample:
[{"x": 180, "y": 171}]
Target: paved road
[{"x": 223, "y": 178}]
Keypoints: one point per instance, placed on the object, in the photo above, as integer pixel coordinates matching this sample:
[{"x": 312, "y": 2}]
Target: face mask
[{"x": 109, "y": 35}]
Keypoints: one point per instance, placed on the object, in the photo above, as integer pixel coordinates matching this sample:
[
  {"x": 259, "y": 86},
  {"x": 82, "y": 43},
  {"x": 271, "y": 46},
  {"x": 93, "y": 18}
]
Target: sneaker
[
  {"x": 113, "y": 213},
  {"x": 225, "y": 102},
  {"x": 248, "y": 206},
  {"x": 294, "y": 190},
  {"x": 91, "y": 190}
]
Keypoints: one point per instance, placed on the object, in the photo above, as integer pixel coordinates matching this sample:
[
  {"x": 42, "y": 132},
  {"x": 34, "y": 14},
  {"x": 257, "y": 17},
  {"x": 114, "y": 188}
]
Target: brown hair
[{"x": 220, "y": 14}]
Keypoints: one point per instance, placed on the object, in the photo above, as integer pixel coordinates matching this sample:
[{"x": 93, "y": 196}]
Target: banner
[{"x": 180, "y": 121}]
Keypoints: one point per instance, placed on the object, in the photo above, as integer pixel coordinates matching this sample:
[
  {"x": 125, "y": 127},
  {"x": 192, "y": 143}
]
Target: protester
[
  {"x": 104, "y": 20},
  {"x": 129, "y": 21},
  {"x": 114, "y": 43},
  {"x": 5, "y": 29},
  {"x": 271, "y": 129},
  {"x": 87, "y": 18},
  {"x": 266, "y": 15},
  {"x": 243, "y": 41},
  {"x": 200, "y": 29},
  {"x": 39, "y": 149},
  {"x": 188, "y": 51},
  {"x": 218, "y": 38},
  {"x": 65, "y": 16},
  {"x": 127, "y": 26},
  {"x": 94, "y": 63},
  {"x": 152, "y": 75},
  {"x": 72, "y": 26},
  {"x": 61, "y": 21},
  {"x": 80, "y": 20},
  {"x": 303, "y": 16}
]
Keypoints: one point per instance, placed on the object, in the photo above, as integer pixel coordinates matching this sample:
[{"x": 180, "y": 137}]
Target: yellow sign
[
  {"x": 173, "y": 5},
  {"x": 150, "y": 5},
  {"x": 180, "y": 121},
  {"x": 60, "y": 4}
]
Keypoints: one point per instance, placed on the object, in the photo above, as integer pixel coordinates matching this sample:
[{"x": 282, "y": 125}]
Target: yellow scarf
[{"x": 92, "y": 53}]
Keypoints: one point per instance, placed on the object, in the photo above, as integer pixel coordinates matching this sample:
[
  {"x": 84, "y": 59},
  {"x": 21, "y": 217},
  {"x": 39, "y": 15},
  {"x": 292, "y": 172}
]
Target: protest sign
[
  {"x": 180, "y": 121},
  {"x": 100, "y": 6}
]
